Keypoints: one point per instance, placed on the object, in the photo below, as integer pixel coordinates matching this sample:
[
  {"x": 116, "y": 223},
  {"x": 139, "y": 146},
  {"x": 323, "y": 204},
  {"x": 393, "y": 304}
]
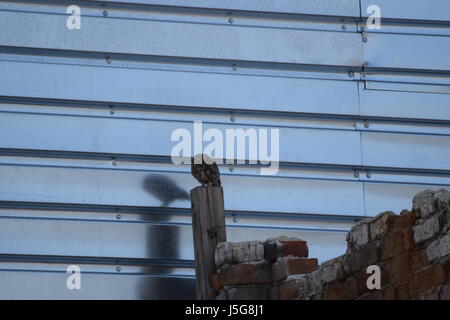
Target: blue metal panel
[
  {"x": 407, "y": 51},
  {"x": 406, "y": 150},
  {"x": 319, "y": 7},
  {"x": 410, "y": 9},
  {"x": 102, "y": 240},
  {"x": 196, "y": 89},
  {"x": 396, "y": 197},
  {"x": 401, "y": 104},
  {"x": 86, "y": 117},
  {"x": 128, "y": 188},
  {"x": 147, "y": 137},
  {"x": 190, "y": 40},
  {"x": 51, "y": 285}
]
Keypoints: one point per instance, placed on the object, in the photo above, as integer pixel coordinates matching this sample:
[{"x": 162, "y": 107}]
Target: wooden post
[{"x": 208, "y": 226}]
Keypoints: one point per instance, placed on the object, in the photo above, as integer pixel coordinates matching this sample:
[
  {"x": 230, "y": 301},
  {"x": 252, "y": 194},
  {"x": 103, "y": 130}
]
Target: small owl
[{"x": 206, "y": 172}]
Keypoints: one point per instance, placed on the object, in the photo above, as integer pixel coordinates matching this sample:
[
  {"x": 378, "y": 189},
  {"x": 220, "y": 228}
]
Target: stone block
[
  {"x": 439, "y": 248},
  {"x": 229, "y": 252},
  {"x": 424, "y": 203},
  {"x": 332, "y": 270},
  {"x": 427, "y": 228},
  {"x": 223, "y": 254},
  {"x": 364, "y": 257},
  {"x": 444, "y": 293},
  {"x": 382, "y": 224},
  {"x": 358, "y": 235}
]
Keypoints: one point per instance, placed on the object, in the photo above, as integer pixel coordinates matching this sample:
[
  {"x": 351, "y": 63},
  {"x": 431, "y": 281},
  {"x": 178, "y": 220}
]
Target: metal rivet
[
  {"x": 234, "y": 67},
  {"x": 234, "y": 218},
  {"x": 232, "y": 118},
  {"x": 362, "y": 28},
  {"x": 368, "y": 175},
  {"x": 366, "y": 63},
  {"x": 366, "y": 124},
  {"x": 230, "y": 20},
  {"x": 111, "y": 111},
  {"x": 118, "y": 269},
  {"x": 108, "y": 60},
  {"x": 356, "y": 174},
  {"x": 343, "y": 27},
  {"x": 351, "y": 74},
  {"x": 231, "y": 169},
  {"x": 364, "y": 39},
  {"x": 118, "y": 216},
  {"x": 105, "y": 13},
  {"x": 114, "y": 163}
]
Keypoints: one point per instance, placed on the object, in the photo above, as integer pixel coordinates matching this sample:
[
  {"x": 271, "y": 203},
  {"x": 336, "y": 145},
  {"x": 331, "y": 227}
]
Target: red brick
[
  {"x": 302, "y": 266},
  {"x": 376, "y": 295},
  {"x": 402, "y": 293},
  {"x": 215, "y": 283},
  {"x": 362, "y": 282},
  {"x": 287, "y": 266},
  {"x": 275, "y": 249},
  {"x": 408, "y": 239},
  {"x": 429, "y": 278},
  {"x": 412, "y": 286},
  {"x": 401, "y": 272},
  {"x": 386, "y": 272},
  {"x": 397, "y": 242},
  {"x": 406, "y": 220},
  {"x": 418, "y": 259},
  {"x": 339, "y": 290},
  {"x": 350, "y": 289},
  {"x": 431, "y": 294},
  {"x": 294, "y": 248},
  {"x": 333, "y": 291},
  {"x": 245, "y": 273},
  {"x": 288, "y": 290},
  {"x": 389, "y": 293}
]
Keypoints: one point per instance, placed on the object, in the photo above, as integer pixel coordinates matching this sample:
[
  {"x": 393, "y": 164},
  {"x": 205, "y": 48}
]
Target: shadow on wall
[{"x": 163, "y": 243}]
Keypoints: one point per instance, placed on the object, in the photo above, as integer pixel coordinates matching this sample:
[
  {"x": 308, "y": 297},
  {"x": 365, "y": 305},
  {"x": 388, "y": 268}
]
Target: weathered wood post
[{"x": 208, "y": 224}]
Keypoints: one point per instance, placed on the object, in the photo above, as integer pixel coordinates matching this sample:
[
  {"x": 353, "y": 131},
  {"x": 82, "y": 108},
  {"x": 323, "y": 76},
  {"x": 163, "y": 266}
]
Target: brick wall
[{"x": 412, "y": 251}]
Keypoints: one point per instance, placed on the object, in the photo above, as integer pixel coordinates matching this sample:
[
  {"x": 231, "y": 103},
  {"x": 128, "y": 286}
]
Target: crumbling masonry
[{"x": 412, "y": 250}]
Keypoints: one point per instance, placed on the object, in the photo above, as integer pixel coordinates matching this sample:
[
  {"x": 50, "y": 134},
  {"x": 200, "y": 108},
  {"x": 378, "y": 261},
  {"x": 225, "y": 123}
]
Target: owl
[{"x": 206, "y": 172}]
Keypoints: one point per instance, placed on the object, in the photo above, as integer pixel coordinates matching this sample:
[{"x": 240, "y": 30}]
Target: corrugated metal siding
[{"x": 86, "y": 117}]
